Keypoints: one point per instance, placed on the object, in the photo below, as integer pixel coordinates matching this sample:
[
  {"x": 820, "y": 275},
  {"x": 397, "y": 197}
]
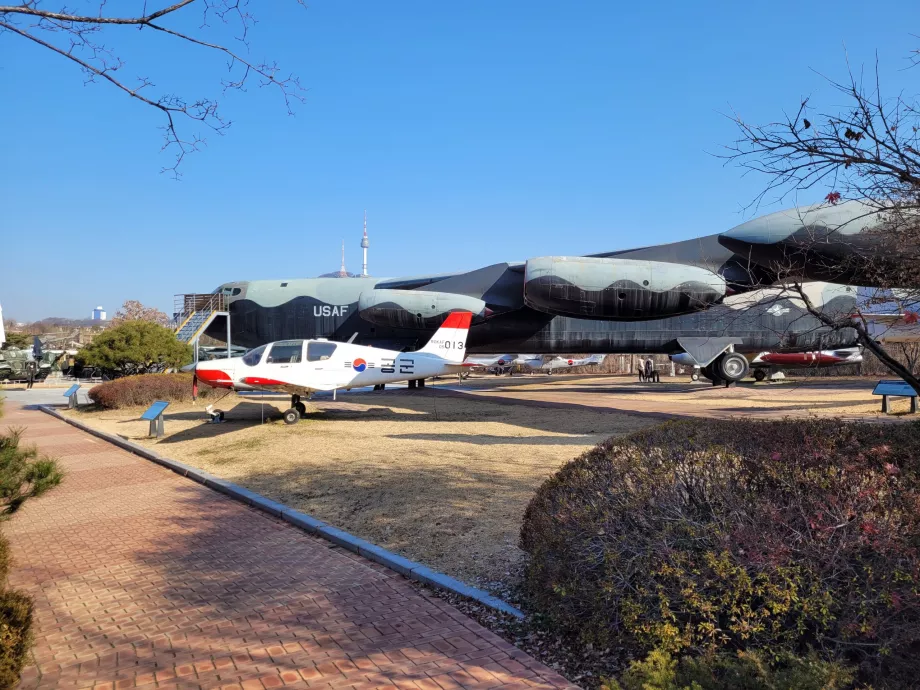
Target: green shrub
[
  {"x": 5, "y": 560},
  {"x": 741, "y": 671},
  {"x": 707, "y": 536},
  {"x": 135, "y": 391},
  {"x": 15, "y": 635},
  {"x": 133, "y": 346},
  {"x": 23, "y": 473}
]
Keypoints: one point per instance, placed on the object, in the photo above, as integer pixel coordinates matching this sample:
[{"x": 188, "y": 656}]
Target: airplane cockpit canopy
[
  {"x": 286, "y": 352},
  {"x": 253, "y": 357},
  {"x": 318, "y": 350}
]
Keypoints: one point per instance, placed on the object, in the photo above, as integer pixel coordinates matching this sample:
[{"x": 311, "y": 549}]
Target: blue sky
[{"x": 472, "y": 133}]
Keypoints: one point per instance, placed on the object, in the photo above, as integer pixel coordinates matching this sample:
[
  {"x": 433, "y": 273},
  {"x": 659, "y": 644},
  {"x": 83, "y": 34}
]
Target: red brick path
[{"x": 142, "y": 578}]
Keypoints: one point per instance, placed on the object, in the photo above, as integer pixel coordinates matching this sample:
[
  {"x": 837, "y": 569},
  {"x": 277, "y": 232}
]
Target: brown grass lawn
[{"x": 440, "y": 480}]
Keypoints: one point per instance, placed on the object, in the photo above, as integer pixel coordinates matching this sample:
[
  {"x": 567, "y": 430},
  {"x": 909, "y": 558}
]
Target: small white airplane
[
  {"x": 302, "y": 367},
  {"x": 560, "y": 363},
  {"x": 529, "y": 361},
  {"x": 488, "y": 361},
  {"x": 503, "y": 364}
]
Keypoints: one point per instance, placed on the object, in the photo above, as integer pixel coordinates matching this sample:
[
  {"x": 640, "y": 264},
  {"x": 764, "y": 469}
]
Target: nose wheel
[{"x": 297, "y": 412}]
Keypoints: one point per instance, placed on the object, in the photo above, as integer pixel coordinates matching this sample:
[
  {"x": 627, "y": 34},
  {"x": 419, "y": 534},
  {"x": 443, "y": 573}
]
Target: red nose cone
[{"x": 214, "y": 377}]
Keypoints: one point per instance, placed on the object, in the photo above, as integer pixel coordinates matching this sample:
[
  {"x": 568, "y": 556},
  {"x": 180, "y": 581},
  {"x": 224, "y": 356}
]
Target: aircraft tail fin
[
  {"x": 596, "y": 359},
  {"x": 449, "y": 342}
]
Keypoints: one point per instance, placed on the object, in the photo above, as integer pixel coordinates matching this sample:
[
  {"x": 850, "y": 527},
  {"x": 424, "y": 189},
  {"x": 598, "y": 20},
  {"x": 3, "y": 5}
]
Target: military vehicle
[{"x": 17, "y": 363}]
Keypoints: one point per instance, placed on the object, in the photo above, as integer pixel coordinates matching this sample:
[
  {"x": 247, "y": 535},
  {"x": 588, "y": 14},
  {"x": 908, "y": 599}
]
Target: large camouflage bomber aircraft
[{"x": 711, "y": 297}]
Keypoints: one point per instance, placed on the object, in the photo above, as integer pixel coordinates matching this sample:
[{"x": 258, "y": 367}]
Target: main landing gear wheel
[
  {"x": 291, "y": 416},
  {"x": 760, "y": 375},
  {"x": 709, "y": 372},
  {"x": 731, "y": 367}
]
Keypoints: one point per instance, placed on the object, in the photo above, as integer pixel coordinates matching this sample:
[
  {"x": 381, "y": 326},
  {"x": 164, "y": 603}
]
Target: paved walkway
[{"x": 144, "y": 579}]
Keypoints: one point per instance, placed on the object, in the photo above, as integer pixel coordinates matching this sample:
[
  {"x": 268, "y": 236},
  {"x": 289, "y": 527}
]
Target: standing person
[
  {"x": 31, "y": 367},
  {"x": 650, "y": 373}
]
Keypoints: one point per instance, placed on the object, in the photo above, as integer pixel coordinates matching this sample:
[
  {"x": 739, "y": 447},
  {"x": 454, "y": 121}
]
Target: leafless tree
[
  {"x": 79, "y": 37},
  {"x": 132, "y": 310},
  {"x": 867, "y": 151}
]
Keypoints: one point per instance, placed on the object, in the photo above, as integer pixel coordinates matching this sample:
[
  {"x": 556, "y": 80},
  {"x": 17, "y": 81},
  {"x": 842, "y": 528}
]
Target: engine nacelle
[
  {"x": 415, "y": 309},
  {"x": 618, "y": 289}
]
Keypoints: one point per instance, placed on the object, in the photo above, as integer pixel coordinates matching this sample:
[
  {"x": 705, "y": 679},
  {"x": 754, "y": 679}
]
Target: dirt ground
[
  {"x": 440, "y": 480},
  {"x": 848, "y": 398}
]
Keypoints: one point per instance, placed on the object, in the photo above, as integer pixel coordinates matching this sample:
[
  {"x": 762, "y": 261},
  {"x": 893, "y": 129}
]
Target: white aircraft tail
[
  {"x": 596, "y": 359},
  {"x": 449, "y": 342}
]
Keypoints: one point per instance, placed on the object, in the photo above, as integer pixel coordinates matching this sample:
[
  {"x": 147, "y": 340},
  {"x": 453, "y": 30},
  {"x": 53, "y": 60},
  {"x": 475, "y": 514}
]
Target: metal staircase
[{"x": 195, "y": 312}]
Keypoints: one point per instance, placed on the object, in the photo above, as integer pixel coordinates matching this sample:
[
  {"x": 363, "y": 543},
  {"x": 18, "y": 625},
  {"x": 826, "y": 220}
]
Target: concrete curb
[{"x": 403, "y": 566}]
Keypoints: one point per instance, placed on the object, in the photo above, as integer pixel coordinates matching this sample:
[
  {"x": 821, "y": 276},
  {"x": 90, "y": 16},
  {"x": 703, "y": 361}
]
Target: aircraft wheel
[
  {"x": 291, "y": 416},
  {"x": 301, "y": 409},
  {"x": 760, "y": 375},
  {"x": 694, "y": 376},
  {"x": 731, "y": 367}
]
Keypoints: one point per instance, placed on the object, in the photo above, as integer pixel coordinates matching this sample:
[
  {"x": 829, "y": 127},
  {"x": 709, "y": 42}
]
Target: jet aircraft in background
[
  {"x": 496, "y": 364},
  {"x": 763, "y": 364},
  {"x": 704, "y": 297},
  {"x": 561, "y": 363},
  {"x": 504, "y": 364}
]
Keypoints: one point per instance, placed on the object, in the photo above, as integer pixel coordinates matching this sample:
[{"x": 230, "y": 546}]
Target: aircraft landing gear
[
  {"x": 760, "y": 375},
  {"x": 298, "y": 410},
  {"x": 421, "y": 383},
  {"x": 728, "y": 368}
]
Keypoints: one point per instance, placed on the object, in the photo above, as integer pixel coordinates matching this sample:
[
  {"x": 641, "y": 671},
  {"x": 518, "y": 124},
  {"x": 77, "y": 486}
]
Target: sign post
[
  {"x": 154, "y": 414},
  {"x": 895, "y": 388},
  {"x": 71, "y": 395}
]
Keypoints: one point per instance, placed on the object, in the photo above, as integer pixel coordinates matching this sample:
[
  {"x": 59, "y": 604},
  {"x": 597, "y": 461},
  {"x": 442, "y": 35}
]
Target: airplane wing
[{"x": 488, "y": 361}]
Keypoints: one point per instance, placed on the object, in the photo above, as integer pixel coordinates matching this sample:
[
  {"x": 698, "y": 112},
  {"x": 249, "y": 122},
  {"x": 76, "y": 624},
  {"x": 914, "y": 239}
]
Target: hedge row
[
  {"x": 711, "y": 536},
  {"x": 142, "y": 390}
]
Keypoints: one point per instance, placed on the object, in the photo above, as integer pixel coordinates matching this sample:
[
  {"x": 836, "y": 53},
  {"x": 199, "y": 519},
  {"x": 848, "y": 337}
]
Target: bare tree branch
[
  {"x": 73, "y": 36},
  {"x": 869, "y": 152},
  {"x": 31, "y": 9}
]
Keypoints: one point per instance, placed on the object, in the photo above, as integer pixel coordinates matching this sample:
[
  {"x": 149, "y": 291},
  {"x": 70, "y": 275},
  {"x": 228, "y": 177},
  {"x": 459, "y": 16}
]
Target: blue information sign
[
  {"x": 73, "y": 389},
  {"x": 155, "y": 410},
  {"x": 894, "y": 387}
]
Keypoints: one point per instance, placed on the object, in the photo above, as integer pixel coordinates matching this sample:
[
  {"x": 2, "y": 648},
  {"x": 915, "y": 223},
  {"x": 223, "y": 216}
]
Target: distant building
[{"x": 98, "y": 314}]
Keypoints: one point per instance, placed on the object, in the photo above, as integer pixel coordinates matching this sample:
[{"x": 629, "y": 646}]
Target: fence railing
[{"x": 187, "y": 304}]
